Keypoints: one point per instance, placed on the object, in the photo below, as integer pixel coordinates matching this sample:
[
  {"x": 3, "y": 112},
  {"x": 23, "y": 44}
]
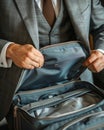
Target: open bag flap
[
  {"x": 63, "y": 62},
  {"x": 68, "y": 55}
]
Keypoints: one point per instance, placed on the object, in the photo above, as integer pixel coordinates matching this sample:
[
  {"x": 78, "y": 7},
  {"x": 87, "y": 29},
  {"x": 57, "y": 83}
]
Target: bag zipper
[
  {"x": 54, "y": 100},
  {"x": 60, "y": 44},
  {"x": 47, "y": 88},
  {"x": 15, "y": 118},
  {"x": 66, "y": 126},
  {"x": 92, "y": 107}
]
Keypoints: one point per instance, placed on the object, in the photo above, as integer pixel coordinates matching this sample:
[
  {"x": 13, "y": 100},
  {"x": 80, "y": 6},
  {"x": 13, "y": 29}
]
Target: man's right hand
[{"x": 25, "y": 56}]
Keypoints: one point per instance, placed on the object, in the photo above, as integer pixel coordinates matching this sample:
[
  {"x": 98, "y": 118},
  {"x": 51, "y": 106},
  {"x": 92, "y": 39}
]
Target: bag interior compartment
[
  {"x": 69, "y": 106},
  {"x": 27, "y": 97},
  {"x": 93, "y": 121},
  {"x": 58, "y": 104},
  {"x": 62, "y": 100}
]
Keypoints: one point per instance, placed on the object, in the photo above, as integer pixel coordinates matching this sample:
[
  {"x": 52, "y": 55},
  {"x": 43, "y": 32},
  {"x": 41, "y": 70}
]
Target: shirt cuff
[
  {"x": 5, "y": 62},
  {"x": 102, "y": 51}
]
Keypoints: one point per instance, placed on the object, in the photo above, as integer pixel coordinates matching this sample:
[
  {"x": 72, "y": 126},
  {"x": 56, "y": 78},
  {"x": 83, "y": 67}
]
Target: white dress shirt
[
  {"x": 56, "y": 5},
  {"x": 6, "y": 63}
]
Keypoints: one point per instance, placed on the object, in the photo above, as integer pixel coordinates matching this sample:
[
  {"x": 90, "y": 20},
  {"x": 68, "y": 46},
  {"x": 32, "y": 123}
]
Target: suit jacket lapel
[
  {"x": 75, "y": 9},
  {"x": 27, "y": 11}
]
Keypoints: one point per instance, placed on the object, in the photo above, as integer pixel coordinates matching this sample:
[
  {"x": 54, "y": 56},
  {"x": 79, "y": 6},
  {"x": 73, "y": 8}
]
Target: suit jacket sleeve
[{"x": 97, "y": 24}]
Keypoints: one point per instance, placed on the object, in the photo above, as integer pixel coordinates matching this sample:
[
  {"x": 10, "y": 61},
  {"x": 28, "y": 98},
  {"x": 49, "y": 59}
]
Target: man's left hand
[{"x": 95, "y": 62}]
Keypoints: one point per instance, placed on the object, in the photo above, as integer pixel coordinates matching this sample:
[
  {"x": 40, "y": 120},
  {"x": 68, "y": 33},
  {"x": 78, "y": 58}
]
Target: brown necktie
[{"x": 49, "y": 12}]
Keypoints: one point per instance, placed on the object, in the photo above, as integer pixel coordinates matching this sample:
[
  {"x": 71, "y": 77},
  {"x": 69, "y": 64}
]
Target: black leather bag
[{"x": 62, "y": 102}]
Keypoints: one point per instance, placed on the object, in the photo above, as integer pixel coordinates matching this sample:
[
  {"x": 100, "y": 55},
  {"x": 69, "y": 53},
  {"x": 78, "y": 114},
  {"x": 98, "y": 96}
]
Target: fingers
[
  {"x": 96, "y": 66},
  {"x": 95, "y": 62},
  {"x": 29, "y": 64},
  {"x": 25, "y": 56},
  {"x": 35, "y": 57}
]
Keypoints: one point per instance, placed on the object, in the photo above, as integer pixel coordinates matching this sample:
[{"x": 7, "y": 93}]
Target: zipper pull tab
[{"x": 15, "y": 111}]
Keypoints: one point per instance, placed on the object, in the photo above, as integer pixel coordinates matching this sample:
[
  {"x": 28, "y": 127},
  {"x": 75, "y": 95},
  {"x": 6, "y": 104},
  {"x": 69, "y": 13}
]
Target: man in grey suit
[{"x": 24, "y": 29}]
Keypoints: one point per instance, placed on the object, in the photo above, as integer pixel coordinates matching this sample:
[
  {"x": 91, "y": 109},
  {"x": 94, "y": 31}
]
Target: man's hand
[
  {"x": 25, "y": 56},
  {"x": 95, "y": 61}
]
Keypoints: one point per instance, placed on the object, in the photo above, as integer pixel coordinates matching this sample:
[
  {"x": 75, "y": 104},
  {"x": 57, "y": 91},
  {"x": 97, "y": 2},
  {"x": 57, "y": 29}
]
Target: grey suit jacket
[{"x": 18, "y": 24}]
